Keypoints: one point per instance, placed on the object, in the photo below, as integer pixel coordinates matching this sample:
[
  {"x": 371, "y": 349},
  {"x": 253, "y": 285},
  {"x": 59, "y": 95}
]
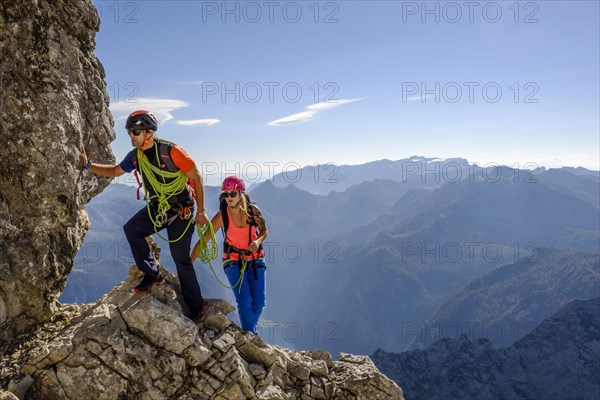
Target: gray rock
[
  {"x": 300, "y": 372},
  {"x": 272, "y": 393},
  {"x": 232, "y": 392},
  {"x": 319, "y": 368},
  {"x": 87, "y": 377},
  {"x": 142, "y": 346},
  {"x": 257, "y": 370},
  {"x": 158, "y": 323},
  {"x": 224, "y": 342},
  {"x": 255, "y": 354},
  {"x": 218, "y": 372},
  {"x": 217, "y": 321},
  {"x": 317, "y": 392},
  {"x": 4, "y": 395},
  {"x": 221, "y": 305},
  {"x": 359, "y": 376},
  {"x": 197, "y": 353},
  {"x": 321, "y": 355},
  {"x": 53, "y": 100}
]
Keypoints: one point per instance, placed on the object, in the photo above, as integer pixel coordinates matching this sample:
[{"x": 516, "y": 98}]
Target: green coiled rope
[
  {"x": 163, "y": 191},
  {"x": 206, "y": 253}
]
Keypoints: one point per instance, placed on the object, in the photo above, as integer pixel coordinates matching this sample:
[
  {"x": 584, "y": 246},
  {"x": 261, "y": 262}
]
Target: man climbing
[{"x": 166, "y": 171}]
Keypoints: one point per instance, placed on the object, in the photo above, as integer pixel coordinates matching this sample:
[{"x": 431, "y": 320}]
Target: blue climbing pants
[{"x": 250, "y": 293}]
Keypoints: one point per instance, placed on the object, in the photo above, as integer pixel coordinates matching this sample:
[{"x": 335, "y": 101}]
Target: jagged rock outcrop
[
  {"x": 558, "y": 360},
  {"x": 52, "y": 100},
  {"x": 143, "y": 347}
]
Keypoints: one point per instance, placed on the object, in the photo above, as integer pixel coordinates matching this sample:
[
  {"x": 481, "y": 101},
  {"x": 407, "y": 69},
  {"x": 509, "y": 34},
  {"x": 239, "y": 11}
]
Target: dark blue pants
[
  {"x": 251, "y": 297},
  {"x": 140, "y": 226}
]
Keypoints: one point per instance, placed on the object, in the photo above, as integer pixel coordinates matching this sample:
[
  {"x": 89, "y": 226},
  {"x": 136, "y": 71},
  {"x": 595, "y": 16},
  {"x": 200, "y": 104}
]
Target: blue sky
[{"x": 241, "y": 84}]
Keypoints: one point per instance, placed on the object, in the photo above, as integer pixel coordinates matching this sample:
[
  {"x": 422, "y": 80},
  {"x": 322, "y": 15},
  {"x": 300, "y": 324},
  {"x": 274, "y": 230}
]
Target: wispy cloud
[
  {"x": 414, "y": 98},
  {"x": 312, "y": 110},
  {"x": 198, "y": 122},
  {"x": 162, "y": 108},
  {"x": 292, "y": 119}
]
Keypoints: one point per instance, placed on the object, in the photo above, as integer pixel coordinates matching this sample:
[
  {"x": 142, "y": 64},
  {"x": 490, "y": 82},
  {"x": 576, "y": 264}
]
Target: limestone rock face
[
  {"x": 143, "y": 347},
  {"x": 52, "y": 100}
]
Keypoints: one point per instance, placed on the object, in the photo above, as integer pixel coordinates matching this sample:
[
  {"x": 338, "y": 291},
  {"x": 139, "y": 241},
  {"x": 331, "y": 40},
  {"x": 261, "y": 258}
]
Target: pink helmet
[{"x": 233, "y": 183}]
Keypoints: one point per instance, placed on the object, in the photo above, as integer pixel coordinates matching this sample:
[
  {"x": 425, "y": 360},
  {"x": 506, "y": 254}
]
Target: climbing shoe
[
  {"x": 147, "y": 282},
  {"x": 199, "y": 315}
]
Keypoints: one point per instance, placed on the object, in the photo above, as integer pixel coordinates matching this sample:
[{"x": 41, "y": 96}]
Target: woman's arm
[
  {"x": 262, "y": 227},
  {"x": 217, "y": 223}
]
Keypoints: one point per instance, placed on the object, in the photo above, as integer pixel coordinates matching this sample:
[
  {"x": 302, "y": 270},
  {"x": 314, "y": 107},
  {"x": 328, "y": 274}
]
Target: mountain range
[
  {"x": 413, "y": 172},
  {"x": 510, "y": 301},
  {"x": 559, "y": 359},
  {"x": 396, "y": 274}
]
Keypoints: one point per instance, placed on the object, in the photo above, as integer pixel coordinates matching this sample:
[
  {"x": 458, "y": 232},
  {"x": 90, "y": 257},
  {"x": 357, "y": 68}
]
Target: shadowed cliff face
[{"x": 52, "y": 100}]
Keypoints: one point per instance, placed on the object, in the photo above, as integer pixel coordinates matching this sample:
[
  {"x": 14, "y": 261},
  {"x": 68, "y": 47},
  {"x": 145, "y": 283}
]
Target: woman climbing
[{"x": 243, "y": 254}]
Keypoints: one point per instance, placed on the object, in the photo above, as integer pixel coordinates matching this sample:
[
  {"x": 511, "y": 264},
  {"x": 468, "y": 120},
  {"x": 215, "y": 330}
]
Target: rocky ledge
[{"x": 143, "y": 347}]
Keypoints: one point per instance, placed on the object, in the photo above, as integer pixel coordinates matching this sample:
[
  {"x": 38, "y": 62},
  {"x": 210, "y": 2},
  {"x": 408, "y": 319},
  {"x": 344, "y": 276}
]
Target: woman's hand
[{"x": 253, "y": 246}]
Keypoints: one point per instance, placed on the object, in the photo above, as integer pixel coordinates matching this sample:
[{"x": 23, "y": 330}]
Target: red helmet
[{"x": 233, "y": 183}]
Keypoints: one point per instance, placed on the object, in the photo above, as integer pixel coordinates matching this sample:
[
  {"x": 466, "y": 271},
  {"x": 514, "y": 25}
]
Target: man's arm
[
  {"x": 100, "y": 169},
  {"x": 194, "y": 175},
  {"x": 107, "y": 170}
]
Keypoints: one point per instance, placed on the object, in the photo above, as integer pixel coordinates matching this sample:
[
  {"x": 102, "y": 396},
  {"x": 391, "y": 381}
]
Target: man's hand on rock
[{"x": 84, "y": 158}]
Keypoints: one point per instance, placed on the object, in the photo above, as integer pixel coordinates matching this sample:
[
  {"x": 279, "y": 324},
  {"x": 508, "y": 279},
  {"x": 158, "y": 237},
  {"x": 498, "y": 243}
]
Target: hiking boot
[
  {"x": 147, "y": 282},
  {"x": 198, "y": 316}
]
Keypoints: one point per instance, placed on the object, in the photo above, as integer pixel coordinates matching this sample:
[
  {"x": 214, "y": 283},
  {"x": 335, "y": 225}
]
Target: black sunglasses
[
  {"x": 233, "y": 195},
  {"x": 135, "y": 132}
]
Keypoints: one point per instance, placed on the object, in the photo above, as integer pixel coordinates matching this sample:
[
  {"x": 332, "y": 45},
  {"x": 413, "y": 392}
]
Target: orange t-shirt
[{"x": 182, "y": 159}]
